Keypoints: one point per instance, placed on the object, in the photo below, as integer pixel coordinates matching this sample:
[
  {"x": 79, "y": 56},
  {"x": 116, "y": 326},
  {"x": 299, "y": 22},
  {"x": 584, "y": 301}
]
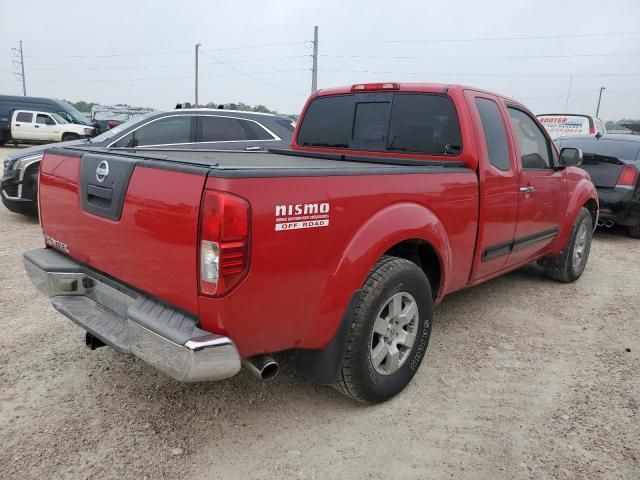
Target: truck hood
[{"x": 38, "y": 149}]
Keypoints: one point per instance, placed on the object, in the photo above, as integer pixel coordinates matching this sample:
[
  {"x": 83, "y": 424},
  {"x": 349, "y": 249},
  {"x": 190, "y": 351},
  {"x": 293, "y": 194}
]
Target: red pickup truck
[{"x": 390, "y": 197}]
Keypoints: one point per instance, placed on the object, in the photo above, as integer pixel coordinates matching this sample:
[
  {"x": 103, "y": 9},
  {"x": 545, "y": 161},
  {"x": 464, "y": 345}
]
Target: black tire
[
  {"x": 70, "y": 136},
  {"x": 357, "y": 377},
  {"x": 634, "y": 231},
  {"x": 562, "y": 267}
]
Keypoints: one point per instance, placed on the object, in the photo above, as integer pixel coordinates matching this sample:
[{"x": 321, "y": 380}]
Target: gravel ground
[{"x": 524, "y": 378}]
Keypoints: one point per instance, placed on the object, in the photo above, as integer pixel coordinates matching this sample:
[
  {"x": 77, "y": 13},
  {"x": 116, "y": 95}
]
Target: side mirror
[{"x": 570, "y": 157}]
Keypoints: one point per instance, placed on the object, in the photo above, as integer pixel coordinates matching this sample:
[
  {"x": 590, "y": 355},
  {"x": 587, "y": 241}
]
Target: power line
[
  {"x": 172, "y": 65},
  {"x": 488, "y": 39},
  {"x": 251, "y": 75},
  {"x": 107, "y": 80},
  {"x": 624, "y": 94},
  {"x": 483, "y": 57},
  {"x": 388, "y": 72},
  {"x": 177, "y": 52}
]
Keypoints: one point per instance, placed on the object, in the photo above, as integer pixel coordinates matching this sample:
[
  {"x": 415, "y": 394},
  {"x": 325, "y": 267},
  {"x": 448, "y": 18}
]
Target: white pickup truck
[{"x": 44, "y": 127}]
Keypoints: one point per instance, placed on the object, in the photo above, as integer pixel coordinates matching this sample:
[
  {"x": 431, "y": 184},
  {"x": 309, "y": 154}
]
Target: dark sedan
[
  {"x": 613, "y": 161},
  {"x": 184, "y": 129}
]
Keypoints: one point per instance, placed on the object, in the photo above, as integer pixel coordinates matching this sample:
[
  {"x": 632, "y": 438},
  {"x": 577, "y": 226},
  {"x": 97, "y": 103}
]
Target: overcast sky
[{"x": 141, "y": 52}]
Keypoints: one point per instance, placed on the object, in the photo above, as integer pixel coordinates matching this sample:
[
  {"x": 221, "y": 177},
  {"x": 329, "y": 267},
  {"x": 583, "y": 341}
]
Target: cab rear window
[{"x": 392, "y": 122}]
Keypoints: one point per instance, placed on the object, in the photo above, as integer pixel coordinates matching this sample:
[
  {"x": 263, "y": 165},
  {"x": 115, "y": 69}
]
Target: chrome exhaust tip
[
  {"x": 600, "y": 222},
  {"x": 609, "y": 223},
  {"x": 262, "y": 366}
]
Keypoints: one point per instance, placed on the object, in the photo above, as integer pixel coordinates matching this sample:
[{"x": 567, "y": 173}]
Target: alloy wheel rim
[
  {"x": 394, "y": 333},
  {"x": 580, "y": 246}
]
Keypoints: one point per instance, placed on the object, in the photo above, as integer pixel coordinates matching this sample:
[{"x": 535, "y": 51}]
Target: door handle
[
  {"x": 252, "y": 148},
  {"x": 17, "y": 124},
  {"x": 37, "y": 126},
  {"x": 527, "y": 189}
]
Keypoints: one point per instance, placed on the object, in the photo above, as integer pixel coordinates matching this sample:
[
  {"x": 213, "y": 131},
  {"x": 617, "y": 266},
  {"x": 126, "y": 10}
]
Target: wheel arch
[{"x": 408, "y": 230}]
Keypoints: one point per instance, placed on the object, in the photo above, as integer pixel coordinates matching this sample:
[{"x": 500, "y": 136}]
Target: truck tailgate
[{"x": 127, "y": 218}]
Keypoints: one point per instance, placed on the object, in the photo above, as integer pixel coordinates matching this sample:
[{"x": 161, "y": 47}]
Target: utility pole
[
  {"x": 20, "y": 63},
  {"x": 599, "y": 99},
  {"x": 198, "y": 45},
  {"x": 314, "y": 69}
]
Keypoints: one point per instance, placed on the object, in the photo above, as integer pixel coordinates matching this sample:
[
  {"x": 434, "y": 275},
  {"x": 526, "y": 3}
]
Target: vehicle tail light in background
[
  {"x": 364, "y": 87},
  {"x": 224, "y": 242},
  {"x": 628, "y": 177},
  {"x": 592, "y": 130}
]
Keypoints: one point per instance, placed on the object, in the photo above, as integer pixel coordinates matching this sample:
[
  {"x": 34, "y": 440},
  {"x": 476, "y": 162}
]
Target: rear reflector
[
  {"x": 224, "y": 242},
  {"x": 628, "y": 177},
  {"x": 374, "y": 86}
]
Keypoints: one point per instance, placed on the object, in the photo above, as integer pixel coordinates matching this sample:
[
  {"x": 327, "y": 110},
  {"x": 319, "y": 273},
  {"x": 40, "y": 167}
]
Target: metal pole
[
  {"x": 314, "y": 69},
  {"x": 196, "y": 99},
  {"x": 599, "y": 99},
  {"x": 24, "y": 82}
]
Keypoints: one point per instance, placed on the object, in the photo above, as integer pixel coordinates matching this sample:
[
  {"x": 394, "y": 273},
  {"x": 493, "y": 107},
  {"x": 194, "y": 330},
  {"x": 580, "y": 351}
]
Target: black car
[
  {"x": 613, "y": 161},
  {"x": 184, "y": 129}
]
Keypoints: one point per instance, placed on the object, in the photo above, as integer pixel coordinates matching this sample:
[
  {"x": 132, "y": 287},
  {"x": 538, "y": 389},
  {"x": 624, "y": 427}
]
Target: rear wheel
[
  {"x": 70, "y": 136},
  {"x": 389, "y": 332},
  {"x": 569, "y": 265}
]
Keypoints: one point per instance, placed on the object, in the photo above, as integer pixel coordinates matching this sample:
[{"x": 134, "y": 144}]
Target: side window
[
  {"x": 223, "y": 129},
  {"x": 44, "y": 119},
  {"x": 258, "y": 130},
  {"x": 534, "y": 148},
  {"x": 494, "y": 133},
  {"x": 165, "y": 131},
  {"x": 424, "y": 123},
  {"x": 26, "y": 117}
]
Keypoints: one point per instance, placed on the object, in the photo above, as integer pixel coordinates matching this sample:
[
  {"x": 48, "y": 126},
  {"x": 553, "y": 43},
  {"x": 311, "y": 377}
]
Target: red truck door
[
  {"x": 498, "y": 175},
  {"x": 541, "y": 201}
]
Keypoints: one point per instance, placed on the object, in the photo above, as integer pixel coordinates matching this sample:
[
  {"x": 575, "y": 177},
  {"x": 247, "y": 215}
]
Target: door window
[
  {"x": 44, "y": 119},
  {"x": 535, "y": 151},
  {"x": 26, "y": 117},
  {"x": 224, "y": 129},
  {"x": 494, "y": 133},
  {"x": 166, "y": 131}
]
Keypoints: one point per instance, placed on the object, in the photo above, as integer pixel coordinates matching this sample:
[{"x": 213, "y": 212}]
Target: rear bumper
[
  {"x": 130, "y": 322},
  {"x": 620, "y": 205}
]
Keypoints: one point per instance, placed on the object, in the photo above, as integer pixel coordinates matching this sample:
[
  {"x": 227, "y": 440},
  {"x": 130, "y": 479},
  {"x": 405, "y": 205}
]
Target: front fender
[
  {"x": 388, "y": 227},
  {"x": 580, "y": 189}
]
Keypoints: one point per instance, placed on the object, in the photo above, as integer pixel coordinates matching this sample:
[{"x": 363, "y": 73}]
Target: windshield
[
  {"x": 72, "y": 114},
  {"x": 120, "y": 128},
  {"x": 59, "y": 118}
]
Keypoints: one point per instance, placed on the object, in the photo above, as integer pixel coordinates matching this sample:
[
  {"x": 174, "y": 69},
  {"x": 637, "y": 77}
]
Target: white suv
[{"x": 30, "y": 126}]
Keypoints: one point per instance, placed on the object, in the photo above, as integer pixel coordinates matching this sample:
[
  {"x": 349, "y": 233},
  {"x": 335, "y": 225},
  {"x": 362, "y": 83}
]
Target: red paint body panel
[
  {"x": 153, "y": 246},
  {"x": 300, "y": 282}
]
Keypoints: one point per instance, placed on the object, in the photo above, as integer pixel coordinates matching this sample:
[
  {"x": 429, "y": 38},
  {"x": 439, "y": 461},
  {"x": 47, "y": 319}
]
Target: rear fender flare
[{"x": 388, "y": 227}]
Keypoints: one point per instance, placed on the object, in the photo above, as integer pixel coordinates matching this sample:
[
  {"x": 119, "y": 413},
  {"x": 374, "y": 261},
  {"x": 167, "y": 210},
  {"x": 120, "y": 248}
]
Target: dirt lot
[{"x": 524, "y": 378}]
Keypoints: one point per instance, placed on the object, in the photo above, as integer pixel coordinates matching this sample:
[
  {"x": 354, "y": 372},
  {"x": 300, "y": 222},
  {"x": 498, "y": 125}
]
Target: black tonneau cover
[{"x": 272, "y": 164}]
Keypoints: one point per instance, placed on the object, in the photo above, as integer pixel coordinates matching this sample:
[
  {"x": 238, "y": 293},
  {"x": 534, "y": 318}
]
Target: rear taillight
[
  {"x": 628, "y": 177},
  {"x": 224, "y": 242},
  {"x": 592, "y": 130}
]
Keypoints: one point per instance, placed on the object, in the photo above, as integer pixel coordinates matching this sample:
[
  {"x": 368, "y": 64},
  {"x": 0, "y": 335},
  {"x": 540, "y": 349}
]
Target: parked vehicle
[
  {"x": 613, "y": 161},
  {"x": 188, "y": 129},
  {"x": 9, "y": 103},
  {"x": 42, "y": 127},
  {"x": 561, "y": 125},
  {"x": 390, "y": 197},
  {"x": 105, "y": 117}
]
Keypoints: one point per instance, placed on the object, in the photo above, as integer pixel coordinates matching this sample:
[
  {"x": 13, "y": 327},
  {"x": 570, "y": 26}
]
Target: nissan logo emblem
[{"x": 102, "y": 171}]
